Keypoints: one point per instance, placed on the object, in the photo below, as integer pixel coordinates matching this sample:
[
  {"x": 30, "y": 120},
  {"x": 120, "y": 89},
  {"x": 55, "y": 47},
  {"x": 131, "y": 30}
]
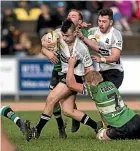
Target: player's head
[
  {"x": 93, "y": 78},
  {"x": 105, "y": 19},
  {"x": 75, "y": 16},
  {"x": 68, "y": 30}
]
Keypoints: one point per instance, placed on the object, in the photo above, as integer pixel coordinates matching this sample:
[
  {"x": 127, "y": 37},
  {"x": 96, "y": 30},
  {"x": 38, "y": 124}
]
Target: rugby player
[
  {"x": 107, "y": 42},
  {"x": 77, "y": 18},
  {"x": 24, "y": 126},
  {"x": 122, "y": 122},
  {"x": 70, "y": 44}
]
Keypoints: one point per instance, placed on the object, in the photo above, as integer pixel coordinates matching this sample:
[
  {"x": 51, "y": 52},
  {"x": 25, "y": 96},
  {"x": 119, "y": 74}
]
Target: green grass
[{"x": 83, "y": 140}]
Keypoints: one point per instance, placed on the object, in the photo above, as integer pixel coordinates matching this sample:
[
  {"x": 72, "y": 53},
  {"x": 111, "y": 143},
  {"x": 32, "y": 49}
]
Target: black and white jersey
[
  {"x": 106, "y": 42},
  {"x": 80, "y": 51}
]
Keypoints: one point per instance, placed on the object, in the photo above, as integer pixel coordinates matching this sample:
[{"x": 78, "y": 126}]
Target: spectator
[
  {"x": 94, "y": 7},
  {"x": 60, "y": 14},
  {"x": 24, "y": 45},
  {"x": 125, "y": 8},
  {"x": 9, "y": 19},
  {"x": 6, "y": 42},
  {"x": 44, "y": 22}
]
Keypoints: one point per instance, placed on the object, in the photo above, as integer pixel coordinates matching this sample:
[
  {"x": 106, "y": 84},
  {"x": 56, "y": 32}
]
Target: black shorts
[
  {"x": 79, "y": 79},
  {"x": 54, "y": 80},
  {"x": 113, "y": 75},
  {"x": 131, "y": 130}
]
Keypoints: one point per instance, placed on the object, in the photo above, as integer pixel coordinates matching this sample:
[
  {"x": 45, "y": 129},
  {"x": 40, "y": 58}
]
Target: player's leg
[
  {"x": 57, "y": 110},
  {"x": 24, "y": 126},
  {"x": 75, "y": 123},
  {"x": 68, "y": 109},
  {"x": 6, "y": 145},
  {"x": 59, "y": 92},
  {"x": 60, "y": 122}
]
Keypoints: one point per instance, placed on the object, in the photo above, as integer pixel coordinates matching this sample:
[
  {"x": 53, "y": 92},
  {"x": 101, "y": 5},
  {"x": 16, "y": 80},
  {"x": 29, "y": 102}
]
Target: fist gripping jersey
[
  {"x": 80, "y": 51},
  {"x": 106, "y": 42},
  {"x": 109, "y": 103}
]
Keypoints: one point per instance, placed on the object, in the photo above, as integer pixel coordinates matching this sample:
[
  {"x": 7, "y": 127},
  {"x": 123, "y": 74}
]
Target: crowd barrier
[{"x": 32, "y": 76}]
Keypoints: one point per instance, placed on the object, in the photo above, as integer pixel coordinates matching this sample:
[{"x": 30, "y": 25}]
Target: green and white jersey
[
  {"x": 109, "y": 103},
  {"x": 57, "y": 67}
]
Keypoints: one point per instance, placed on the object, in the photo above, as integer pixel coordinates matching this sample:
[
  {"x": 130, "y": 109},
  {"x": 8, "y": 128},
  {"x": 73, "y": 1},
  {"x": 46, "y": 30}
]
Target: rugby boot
[
  {"x": 62, "y": 132},
  {"x": 35, "y": 133},
  {"x": 25, "y": 129}
]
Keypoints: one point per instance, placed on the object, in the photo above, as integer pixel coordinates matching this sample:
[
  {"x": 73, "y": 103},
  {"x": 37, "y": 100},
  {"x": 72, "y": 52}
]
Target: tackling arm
[{"x": 70, "y": 80}]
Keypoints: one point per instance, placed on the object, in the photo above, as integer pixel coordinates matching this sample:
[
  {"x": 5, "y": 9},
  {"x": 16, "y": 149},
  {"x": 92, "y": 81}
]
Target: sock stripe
[
  {"x": 86, "y": 119},
  {"x": 15, "y": 120},
  {"x": 45, "y": 117},
  {"x": 57, "y": 116}
]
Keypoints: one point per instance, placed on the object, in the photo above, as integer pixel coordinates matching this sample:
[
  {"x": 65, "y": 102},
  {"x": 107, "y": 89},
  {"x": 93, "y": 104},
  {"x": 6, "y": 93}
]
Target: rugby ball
[{"x": 52, "y": 36}]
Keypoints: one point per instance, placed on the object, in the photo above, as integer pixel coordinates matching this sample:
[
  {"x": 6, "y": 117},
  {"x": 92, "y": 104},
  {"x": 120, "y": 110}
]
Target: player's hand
[
  {"x": 85, "y": 25},
  {"x": 72, "y": 61},
  {"x": 96, "y": 58},
  {"x": 52, "y": 56},
  {"x": 48, "y": 45},
  {"x": 79, "y": 33}
]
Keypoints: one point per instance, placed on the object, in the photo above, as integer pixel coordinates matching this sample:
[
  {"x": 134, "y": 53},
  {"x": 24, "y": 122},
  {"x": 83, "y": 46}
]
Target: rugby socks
[
  {"x": 43, "y": 120},
  {"x": 88, "y": 121},
  {"x": 7, "y": 112},
  {"x": 59, "y": 119}
]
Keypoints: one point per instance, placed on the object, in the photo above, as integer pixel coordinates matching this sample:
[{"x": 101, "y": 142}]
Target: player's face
[
  {"x": 104, "y": 23},
  {"x": 69, "y": 36},
  {"x": 74, "y": 16}
]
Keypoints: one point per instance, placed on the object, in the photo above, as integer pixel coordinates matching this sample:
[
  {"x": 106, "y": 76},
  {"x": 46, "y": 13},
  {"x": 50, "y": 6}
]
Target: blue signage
[{"x": 34, "y": 74}]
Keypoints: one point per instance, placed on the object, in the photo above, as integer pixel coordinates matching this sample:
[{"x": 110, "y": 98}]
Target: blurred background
[{"x": 25, "y": 75}]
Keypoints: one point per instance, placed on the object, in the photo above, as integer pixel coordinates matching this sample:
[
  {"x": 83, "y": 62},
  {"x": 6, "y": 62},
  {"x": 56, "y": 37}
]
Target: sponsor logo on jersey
[
  {"x": 107, "y": 41},
  {"x": 97, "y": 36},
  {"x": 119, "y": 43}
]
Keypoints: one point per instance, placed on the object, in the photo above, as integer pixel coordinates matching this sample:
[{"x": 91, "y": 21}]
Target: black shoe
[
  {"x": 100, "y": 125},
  {"x": 26, "y": 130},
  {"x": 62, "y": 132},
  {"x": 75, "y": 126},
  {"x": 35, "y": 133}
]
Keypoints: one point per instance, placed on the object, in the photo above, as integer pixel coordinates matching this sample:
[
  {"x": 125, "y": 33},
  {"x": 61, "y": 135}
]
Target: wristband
[{"x": 103, "y": 60}]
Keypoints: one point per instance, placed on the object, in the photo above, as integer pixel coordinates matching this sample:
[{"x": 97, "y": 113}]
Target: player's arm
[
  {"x": 114, "y": 57},
  {"x": 47, "y": 50},
  {"x": 92, "y": 43},
  {"x": 70, "y": 80},
  {"x": 115, "y": 52}
]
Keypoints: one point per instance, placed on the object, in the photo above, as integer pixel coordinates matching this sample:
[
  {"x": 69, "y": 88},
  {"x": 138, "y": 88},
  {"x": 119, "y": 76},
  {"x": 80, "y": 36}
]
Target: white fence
[{"x": 35, "y": 77}]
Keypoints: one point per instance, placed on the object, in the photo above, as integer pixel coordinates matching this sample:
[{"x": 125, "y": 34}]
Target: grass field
[{"x": 83, "y": 140}]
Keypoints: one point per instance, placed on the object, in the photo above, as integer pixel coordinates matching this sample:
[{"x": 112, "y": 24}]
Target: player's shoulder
[
  {"x": 93, "y": 30},
  {"x": 116, "y": 32},
  {"x": 58, "y": 30}
]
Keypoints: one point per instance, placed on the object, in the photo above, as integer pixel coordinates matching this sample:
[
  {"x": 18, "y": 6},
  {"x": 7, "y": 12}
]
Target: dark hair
[
  {"x": 79, "y": 13},
  {"x": 67, "y": 24},
  {"x": 106, "y": 12}
]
